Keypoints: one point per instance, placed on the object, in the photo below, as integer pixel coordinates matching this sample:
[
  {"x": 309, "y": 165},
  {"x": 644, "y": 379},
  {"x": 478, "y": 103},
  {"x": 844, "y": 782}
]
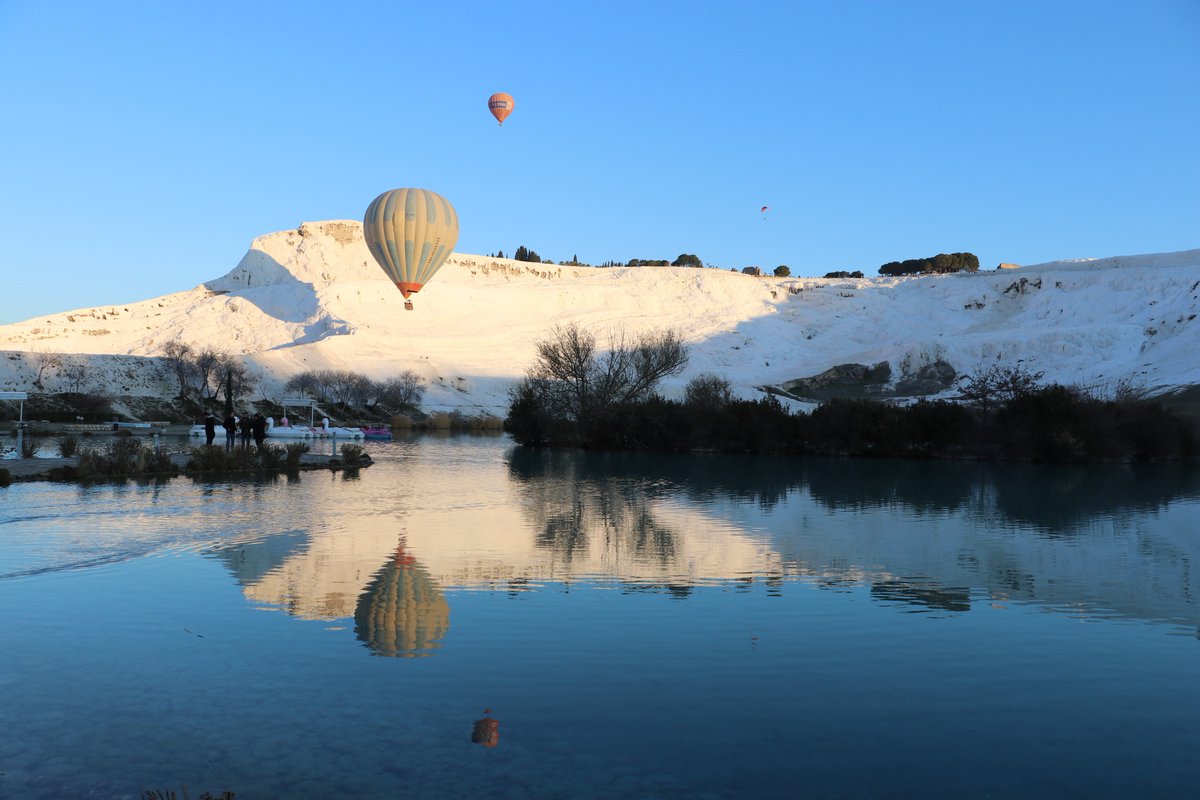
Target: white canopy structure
[
  {"x": 20, "y": 397},
  {"x": 301, "y": 402}
]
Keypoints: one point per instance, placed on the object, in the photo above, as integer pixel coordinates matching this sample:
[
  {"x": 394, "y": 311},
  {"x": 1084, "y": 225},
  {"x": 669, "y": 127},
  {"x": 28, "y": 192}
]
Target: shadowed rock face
[
  {"x": 844, "y": 380},
  {"x": 860, "y": 380},
  {"x": 929, "y": 379}
]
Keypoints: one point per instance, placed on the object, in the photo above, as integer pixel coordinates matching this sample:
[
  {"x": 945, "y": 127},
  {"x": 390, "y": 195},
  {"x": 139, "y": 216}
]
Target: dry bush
[
  {"x": 402, "y": 422},
  {"x": 490, "y": 422},
  {"x": 30, "y": 444},
  {"x": 439, "y": 421}
]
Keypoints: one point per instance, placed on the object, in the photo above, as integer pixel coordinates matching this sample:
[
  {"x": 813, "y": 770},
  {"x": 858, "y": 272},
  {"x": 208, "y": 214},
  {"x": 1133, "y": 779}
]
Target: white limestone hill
[{"x": 312, "y": 298}]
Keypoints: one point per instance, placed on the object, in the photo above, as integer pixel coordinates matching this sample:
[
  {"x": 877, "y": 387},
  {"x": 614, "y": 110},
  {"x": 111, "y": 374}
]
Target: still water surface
[{"x": 609, "y": 626}]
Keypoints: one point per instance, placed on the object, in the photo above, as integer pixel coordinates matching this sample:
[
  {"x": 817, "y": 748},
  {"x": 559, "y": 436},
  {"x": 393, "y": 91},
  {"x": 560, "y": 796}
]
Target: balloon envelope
[
  {"x": 411, "y": 233},
  {"x": 501, "y": 105}
]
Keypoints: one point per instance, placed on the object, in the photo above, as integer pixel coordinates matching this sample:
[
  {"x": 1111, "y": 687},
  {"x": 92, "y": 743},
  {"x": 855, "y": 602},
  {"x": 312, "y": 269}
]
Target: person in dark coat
[
  {"x": 210, "y": 429},
  {"x": 260, "y": 430},
  {"x": 230, "y": 430},
  {"x": 247, "y": 428}
]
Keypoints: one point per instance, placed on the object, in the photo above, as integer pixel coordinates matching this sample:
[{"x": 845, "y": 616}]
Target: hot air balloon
[
  {"x": 501, "y": 105},
  {"x": 411, "y": 233},
  {"x": 402, "y": 612}
]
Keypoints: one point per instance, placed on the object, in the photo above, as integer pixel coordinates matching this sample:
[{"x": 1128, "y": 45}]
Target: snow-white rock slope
[{"x": 312, "y": 298}]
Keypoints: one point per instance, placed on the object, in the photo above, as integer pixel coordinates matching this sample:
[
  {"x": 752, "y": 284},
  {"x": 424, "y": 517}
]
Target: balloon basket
[{"x": 408, "y": 305}]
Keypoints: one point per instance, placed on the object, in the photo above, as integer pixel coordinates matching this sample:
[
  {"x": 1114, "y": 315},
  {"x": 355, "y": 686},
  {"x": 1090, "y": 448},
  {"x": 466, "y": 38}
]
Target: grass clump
[
  {"x": 30, "y": 444},
  {"x": 68, "y": 446},
  {"x": 121, "y": 457},
  {"x": 292, "y": 453},
  {"x": 352, "y": 454}
]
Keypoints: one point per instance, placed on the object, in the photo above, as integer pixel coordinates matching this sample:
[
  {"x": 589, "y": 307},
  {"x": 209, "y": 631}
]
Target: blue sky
[{"x": 144, "y": 145}]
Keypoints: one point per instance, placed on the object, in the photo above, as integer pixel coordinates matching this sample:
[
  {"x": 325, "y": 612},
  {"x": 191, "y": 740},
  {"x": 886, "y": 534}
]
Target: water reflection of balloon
[
  {"x": 402, "y": 611},
  {"x": 411, "y": 233},
  {"x": 486, "y": 731},
  {"x": 501, "y": 105}
]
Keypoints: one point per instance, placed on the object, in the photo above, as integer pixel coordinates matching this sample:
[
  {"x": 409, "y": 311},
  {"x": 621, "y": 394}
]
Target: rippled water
[{"x": 607, "y": 626}]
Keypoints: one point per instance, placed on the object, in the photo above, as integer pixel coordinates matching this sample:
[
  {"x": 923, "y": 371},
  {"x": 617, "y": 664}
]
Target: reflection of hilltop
[
  {"x": 402, "y": 612},
  {"x": 926, "y": 535},
  {"x": 251, "y": 561}
]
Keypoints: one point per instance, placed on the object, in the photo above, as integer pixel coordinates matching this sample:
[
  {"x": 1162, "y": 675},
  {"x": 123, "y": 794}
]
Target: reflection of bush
[
  {"x": 402, "y": 612},
  {"x": 1055, "y": 498},
  {"x": 1061, "y": 499},
  {"x": 1053, "y": 423}
]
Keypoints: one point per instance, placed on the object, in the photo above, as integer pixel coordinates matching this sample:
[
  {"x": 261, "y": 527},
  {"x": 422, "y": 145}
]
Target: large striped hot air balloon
[
  {"x": 501, "y": 105},
  {"x": 411, "y": 233}
]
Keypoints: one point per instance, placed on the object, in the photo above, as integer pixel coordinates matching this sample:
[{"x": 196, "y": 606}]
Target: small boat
[{"x": 376, "y": 433}]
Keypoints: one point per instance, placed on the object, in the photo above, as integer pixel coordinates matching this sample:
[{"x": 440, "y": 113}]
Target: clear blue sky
[{"x": 144, "y": 145}]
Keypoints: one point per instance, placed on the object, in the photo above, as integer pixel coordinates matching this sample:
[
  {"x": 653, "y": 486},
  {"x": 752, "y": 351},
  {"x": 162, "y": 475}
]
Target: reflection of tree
[
  {"x": 923, "y": 486},
  {"x": 573, "y": 499},
  {"x": 1062, "y": 499},
  {"x": 922, "y": 594},
  {"x": 402, "y": 612},
  {"x": 764, "y": 479}
]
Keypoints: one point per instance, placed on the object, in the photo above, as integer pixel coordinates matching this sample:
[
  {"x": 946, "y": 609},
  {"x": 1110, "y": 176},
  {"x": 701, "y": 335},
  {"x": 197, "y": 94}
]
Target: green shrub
[{"x": 352, "y": 454}]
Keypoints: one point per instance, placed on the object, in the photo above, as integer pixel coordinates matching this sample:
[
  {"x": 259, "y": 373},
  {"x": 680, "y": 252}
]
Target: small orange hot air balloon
[
  {"x": 486, "y": 731},
  {"x": 501, "y": 105}
]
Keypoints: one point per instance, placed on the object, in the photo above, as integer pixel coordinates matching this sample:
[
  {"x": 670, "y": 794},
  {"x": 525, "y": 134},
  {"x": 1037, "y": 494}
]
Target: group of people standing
[{"x": 255, "y": 428}]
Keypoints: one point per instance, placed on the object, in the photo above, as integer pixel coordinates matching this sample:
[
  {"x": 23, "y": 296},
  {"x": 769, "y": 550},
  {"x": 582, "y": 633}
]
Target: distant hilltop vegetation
[
  {"x": 939, "y": 264},
  {"x": 313, "y": 298}
]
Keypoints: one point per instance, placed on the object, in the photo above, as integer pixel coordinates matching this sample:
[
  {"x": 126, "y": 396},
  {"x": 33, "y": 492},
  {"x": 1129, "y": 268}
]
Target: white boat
[{"x": 322, "y": 431}]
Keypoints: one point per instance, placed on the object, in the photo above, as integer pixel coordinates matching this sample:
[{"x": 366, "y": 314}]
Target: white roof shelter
[
  {"x": 20, "y": 397},
  {"x": 301, "y": 402}
]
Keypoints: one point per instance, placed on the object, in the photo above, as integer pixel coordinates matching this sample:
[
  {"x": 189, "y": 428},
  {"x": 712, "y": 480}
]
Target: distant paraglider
[
  {"x": 501, "y": 105},
  {"x": 764, "y": 211},
  {"x": 411, "y": 233}
]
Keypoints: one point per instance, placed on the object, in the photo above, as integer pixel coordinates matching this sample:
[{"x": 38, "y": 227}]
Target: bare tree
[
  {"x": 207, "y": 365},
  {"x": 998, "y": 384},
  {"x": 234, "y": 378},
  {"x": 342, "y": 386},
  {"x": 304, "y": 383},
  {"x": 361, "y": 390},
  {"x": 44, "y": 360},
  {"x": 178, "y": 358},
  {"x": 405, "y": 390},
  {"x": 708, "y": 392},
  {"x": 575, "y": 380},
  {"x": 75, "y": 372}
]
